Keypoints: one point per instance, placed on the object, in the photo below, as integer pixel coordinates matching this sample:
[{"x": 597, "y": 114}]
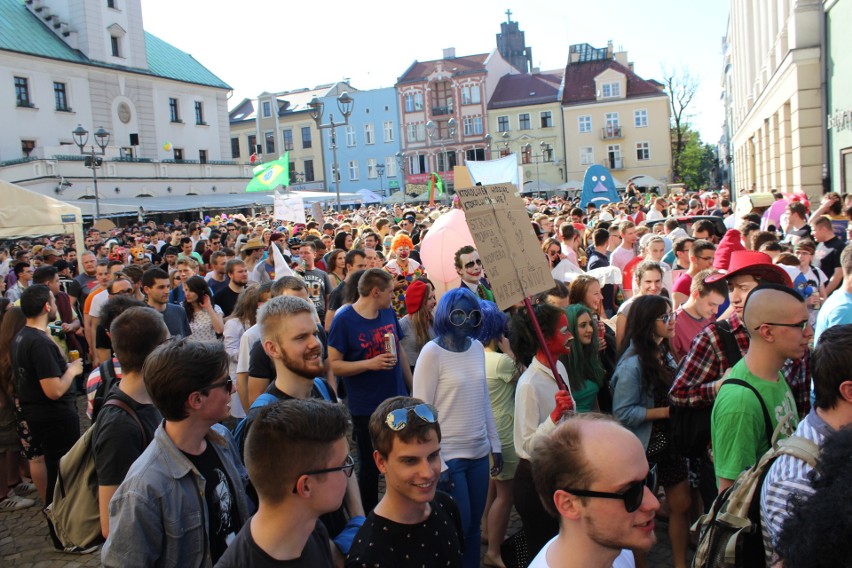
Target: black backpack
[
  {"x": 691, "y": 425},
  {"x": 108, "y": 379}
]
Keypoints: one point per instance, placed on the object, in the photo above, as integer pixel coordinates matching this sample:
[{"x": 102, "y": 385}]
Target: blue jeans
[{"x": 469, "y": 489}]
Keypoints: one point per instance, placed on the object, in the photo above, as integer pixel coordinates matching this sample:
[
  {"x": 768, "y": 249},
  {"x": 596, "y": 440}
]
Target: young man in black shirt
[
  {"x": 117, "y": 440},
  {"x": 226, "y": 298},
  {"x": 304, "y": 477},
  {"x": 45, "y": 391},
  {"x": 413, "y": 524}
]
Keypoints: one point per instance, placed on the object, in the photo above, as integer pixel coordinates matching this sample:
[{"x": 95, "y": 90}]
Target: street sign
[
  {"x": 510, "y": 252},
  {"x": 69, "y": 218}
]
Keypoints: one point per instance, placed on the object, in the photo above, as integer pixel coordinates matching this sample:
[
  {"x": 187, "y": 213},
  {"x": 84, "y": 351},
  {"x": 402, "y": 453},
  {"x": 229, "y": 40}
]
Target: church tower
[{"x": 511, "y": 44}]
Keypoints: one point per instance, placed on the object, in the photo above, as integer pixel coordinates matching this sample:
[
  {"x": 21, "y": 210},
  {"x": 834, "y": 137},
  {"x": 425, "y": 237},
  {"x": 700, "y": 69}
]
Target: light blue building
[{"x": 367, "y": 146}]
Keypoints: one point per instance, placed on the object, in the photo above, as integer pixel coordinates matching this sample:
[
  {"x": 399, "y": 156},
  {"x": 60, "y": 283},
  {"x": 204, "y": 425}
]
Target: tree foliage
[
  {"x": 697, "y": 160},
  {"x": 681, "y": 87}
]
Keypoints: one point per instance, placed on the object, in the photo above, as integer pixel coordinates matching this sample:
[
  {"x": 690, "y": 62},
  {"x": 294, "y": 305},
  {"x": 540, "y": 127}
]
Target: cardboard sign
[
  {"x": 316, "y": 209},
  {"x": 288, "y": 208},
  {"x": 510, "y": 252}
]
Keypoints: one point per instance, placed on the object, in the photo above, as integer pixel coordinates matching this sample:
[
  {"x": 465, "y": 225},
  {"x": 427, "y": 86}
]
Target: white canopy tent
[{"x": 29, "y": 214}]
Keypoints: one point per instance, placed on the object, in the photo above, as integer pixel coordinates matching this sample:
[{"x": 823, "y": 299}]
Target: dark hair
[
  {"x": 245, "y": 310},
  {"x": 19, "y": 267},
  {"x": 177, "y": 368},
  {"x": 680, "y": 243},
  {"x": 149, "y": 276},
  {"x": 467, "y": 249},
  {"x": 302, "y": 433},
  {"x": 233, "y": 263},
  {"x": 600, "y": 237},
  {"x": 374, "y": 278},
  {"x": 830, "y": 364},
  {"x": 559, "y": 290},
  {"x": 331, "y": 262},
  {"x": 135, "y": 333},
  {"x": 33, "y": 300},
  {"x": 382, "y": 436},
  {"x": 199, "y": 286},
  {"x": 352, "y": 256},
  {"x": 522, "y": 337},
  {"x": 340, "y": 240},
  {"x": 350, "y": 287},
  {"x": 115, "y": 306},
  {"x": 639, "y": 337},
  {"x": 583, "y": 363},
  {"x": 759, "y": 238},
  {"x": 44, "y": 274},
  {"x": 14, "y": 321},
  {"x": 704, "y": 225},
  {"x": 700, "y": 245}
]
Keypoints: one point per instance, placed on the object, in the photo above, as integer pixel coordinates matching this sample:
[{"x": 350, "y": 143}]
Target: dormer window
[{"x": 610, "y": 90}]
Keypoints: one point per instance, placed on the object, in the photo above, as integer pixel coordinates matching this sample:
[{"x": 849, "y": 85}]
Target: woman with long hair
[
  {"x": 501, "y": 377},
  {"x": 640, "y": 386},
  {"x": 539, "y": 406},
  {"x": 417, "y": 324},
  {"x": 586, "y": 373},
  {"x": 586, "y": 290},
  {"x": 11, "y": 491},
  {"x": 205, "y": 317},
  {"x": 343, "y": 241},
  {"x": 647, "y": 281},
  {"x": 552, "y": 252},
  {"x": 336, "y": 266},
  {"x": 450, "y": 375}
]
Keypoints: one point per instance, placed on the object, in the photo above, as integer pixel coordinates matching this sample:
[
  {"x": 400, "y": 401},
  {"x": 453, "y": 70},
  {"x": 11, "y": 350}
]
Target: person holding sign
[
  {"x": 539, "y": 406},
  {"x": 450, "y": 375}
]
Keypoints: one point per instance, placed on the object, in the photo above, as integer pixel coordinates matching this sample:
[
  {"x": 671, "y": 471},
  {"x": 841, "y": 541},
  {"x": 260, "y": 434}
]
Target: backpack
[
  {"x": 691, "y": 425},
  {"x": 267, "y": 398},
  {"x": 108, "y": 378},
  {"x": 731, "y": 534},
  {"x": 74, "y": 512}
]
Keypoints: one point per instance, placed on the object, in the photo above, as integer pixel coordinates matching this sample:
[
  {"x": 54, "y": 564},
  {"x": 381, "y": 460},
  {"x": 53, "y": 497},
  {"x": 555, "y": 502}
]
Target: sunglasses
[
  {"x": 227, "y": 383},
  {"x": 666, "y": 318},
  {"x": 632, "y": 496},
  {"x": 398, "y": 419},
  {"x": 458, "y": 318},
  {"x": 799, "y": 325},
  {"x": 347, "y": 468},
  {"x": 473, "y": 263}
]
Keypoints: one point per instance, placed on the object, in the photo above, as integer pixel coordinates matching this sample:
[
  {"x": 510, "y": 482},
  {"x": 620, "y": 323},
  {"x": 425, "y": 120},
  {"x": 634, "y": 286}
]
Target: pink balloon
[{"x": 437, "y": 251}]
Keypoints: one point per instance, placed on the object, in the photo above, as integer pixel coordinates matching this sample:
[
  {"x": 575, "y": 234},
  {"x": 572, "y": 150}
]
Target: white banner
[
  {"x": 289, "y": 208},
  {"x": 501, "y": 170}
]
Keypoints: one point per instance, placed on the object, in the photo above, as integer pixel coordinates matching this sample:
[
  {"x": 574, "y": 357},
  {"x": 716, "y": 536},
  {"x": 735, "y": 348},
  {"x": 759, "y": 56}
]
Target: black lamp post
[
  {"x": 344, "y": 104},
  {"x": 81, "y": 136},
  {"x": 380, "y": 170}
]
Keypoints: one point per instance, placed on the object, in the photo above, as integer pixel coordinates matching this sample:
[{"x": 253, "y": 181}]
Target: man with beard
[
  {"x": 44, "y": 389},
  {"x": 592, "y": 474},
  {"x": 291, "y": 339},
  {"x": 226, "y": 298},
  {"x": 469, "y": 268}
]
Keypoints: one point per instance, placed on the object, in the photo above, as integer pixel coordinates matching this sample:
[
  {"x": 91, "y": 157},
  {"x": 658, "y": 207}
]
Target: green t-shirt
[{"x": 737, "y": 425}]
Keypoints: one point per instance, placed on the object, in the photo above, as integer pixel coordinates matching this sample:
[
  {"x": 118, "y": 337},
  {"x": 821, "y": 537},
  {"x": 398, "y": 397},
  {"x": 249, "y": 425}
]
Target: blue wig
[
  {"x": 442, "y": 325},
  {"x": 493, "y": 322}
]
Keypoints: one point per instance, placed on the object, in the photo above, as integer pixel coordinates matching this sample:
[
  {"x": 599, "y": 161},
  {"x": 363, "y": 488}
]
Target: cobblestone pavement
[{"x": 24, "y": 542}]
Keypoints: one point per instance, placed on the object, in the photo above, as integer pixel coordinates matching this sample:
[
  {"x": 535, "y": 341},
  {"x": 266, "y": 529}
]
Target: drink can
[
  {"x": 73, "y": 355},
  {"x": 390, "y": 344}
]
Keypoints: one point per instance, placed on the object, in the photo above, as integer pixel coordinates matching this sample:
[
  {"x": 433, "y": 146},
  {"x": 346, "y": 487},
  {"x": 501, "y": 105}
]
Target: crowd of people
[{"x": 228, "y": 364}]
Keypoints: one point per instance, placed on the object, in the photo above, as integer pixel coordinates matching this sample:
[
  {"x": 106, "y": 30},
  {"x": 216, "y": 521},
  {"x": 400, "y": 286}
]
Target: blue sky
[{"x": 276, "y": 45}]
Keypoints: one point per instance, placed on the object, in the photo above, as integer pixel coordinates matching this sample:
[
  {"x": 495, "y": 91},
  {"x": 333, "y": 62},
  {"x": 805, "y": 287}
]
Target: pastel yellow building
[{"x": 614, "y": 117}]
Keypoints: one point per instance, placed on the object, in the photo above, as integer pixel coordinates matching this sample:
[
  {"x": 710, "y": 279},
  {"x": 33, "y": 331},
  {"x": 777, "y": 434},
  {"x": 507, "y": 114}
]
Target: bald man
[
  {"x": 777, "y": 321},
  {"x": 592, "y": 475}
]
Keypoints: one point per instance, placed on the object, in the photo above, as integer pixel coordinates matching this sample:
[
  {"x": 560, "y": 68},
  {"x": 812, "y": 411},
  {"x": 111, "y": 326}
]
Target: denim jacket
[
  {"x": 158, "y": 515},
  {"x": 630, "y": 400}
]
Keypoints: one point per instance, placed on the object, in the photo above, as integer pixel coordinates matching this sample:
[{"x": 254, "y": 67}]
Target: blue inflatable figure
[{"x": 598, "y": 187}]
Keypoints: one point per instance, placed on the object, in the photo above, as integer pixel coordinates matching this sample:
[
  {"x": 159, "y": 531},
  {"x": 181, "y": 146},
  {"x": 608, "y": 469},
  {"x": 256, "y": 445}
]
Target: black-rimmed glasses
[
  {"x": 347, "y": 468},
  {"x": 227, "y": 383},
  {"x": 800, "y": 325},
  {"x": 632, "y": 496},
  {"x": 459, "y": 317}
]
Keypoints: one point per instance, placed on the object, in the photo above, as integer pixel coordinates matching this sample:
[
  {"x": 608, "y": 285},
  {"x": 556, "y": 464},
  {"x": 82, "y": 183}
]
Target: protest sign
[
  {"x": 316, "y": 209},
  {"x": 288, "y": 208}
]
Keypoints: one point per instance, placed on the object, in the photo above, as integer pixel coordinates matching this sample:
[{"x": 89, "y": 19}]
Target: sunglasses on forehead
[{"x": 398, "y": 419}]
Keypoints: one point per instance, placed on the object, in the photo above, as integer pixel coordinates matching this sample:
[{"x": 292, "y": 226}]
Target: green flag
[
  {"x": 271, "y": 175},
  {"x": 439, "y": 184}
]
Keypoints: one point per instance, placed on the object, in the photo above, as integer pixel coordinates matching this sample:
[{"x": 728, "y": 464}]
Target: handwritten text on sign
[{"x": 504, "y": 237}]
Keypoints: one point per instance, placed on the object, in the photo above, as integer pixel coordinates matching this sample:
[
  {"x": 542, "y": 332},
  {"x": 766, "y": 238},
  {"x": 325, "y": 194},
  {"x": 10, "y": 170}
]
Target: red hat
[
  {"x": 414, "y": 296},
  {"x": 732, "y": 241},
  {"x": 757, "y": 264}
]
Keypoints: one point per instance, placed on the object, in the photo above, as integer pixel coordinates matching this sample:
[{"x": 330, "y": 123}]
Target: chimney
[{"x": 449, "y": 53}]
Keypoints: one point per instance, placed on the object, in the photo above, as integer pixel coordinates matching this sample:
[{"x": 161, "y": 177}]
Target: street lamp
[
  {"x": 81, "y": 136},
  {"x": 344, "y": 104},
  {"x": 538, "y": 159},
  {"x": 431, "y": 128},
  {"x": 380, "y": 169},
  {"x": 400, "y": 162},
  {"x": 488, "y": 140}
]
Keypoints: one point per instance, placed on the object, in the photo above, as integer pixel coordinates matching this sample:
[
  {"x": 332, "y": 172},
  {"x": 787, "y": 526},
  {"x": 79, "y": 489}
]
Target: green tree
[
  {"x": 696, "y": 160},
  {"x": 681, "y": 88}
]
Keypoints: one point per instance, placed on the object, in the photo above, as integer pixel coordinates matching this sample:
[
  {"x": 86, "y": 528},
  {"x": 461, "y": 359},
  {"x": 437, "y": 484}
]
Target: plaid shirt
[{"x": 706, "y": 363}]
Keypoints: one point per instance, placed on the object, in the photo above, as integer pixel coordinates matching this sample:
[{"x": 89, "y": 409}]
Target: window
[
  {"x": 411, "y": 132},
  {"x": 369, "y": 133},
  {"x": 445, "y": 161},
  {"x": 350, "y": 136},
  {"x": 27, "y": 146},
  {"x": 111, "y": 4},
  {"x": 288, "y": 139},
  {"x": 609, "y": 90},
  {"x": 643, "y": 151},
  {"x": 353, "y": 170},
  {"x": 202, "y": 156},
  {"x": 584, "y": 123},
  {"x": 524, "y": 121},
  {"x": 443, "y": 91},
  {"x": 477, "y": 125},
  {"x": 22, "y": 92},
  {"x": 467, "y": 123},
  {"x": 587, "y": 156},
  {"x": 387, "y": 130},
  {"x": 174, "y": 111},
  {"x": 612, "y": 128},
  {"x": 547, "y": 153},
  {"x": 474, "y": 155},
  {"x": 306, "y": 137},
  {"x": 60, "y": 95},
  {"x": 502, "y": 124},
  {"x": 413, "y": 102},
  {"x": 546, "y": 119},
  {"x": 417, "y": 164},
  {"x": 199, "y": 112},
  {"x": 115, "y": 45},
  {"x": 235, "y": 147},
  {"x": 613, "y": 154},
  {"x": 390, "y": 166},
  {"x": 470, "y": 95},
  {"x": 267, "y": 109},
  {"x": 526, "y": 154},
  {"x": 178, "y": 153},
  {"x": 309, "y": 170},
  {"x": 252, "y": 144},
  {"x": 372, "y": 172},
  {"x": 269, "y": 140},
  {"x": 421, "y": 132},
  {"x": 640, "y": 118}
]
